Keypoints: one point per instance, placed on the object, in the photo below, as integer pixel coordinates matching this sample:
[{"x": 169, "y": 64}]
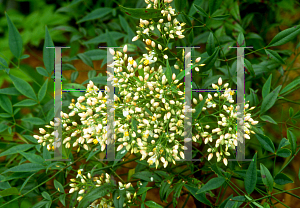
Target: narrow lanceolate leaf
[
  {"x": 46, "y": 195},
  {"x": 290, "y": 86},
  {"x": 48, "y": 53},
  {"x": 255, "y": 203},
  {"x": 96, "y": 14},
  {"x": 249, "y": 67},
  {"x": 180, "y": 5},
  {"x": 267, "y": 87},
  {"x": 198, "y": 108},
  {"x": 275, "y": 56},
  {"x": 58, "y": 186},
  {"x": 5, "y": 103},
  {"x": 42, "y": 91},
  {"x": 14, "y": 38},
  {"x": 285, "y": 36},
  {"x": 282, "y": 179},
  {"x": 16, "y": 149},
  {"x": 141, "y": 13},
  {"x": 200, "y": 10},
  {"x": 284, "y": 142},
  {"x": 210, "y": 46},
  {"x": 241, "y": 40},
  {"x": 292, "y": 139},
  {"x": 33, "y": 158},
  {"x": 95, "y": 194},
  {"x": 9, "y": 191},
  {"x": 34, "y": 120},
  {"x": 23, "y": 87},
  {"x": 266, "y": 177},
  {"x": 200, "y": 197},
  {"x": 212, "y": 184},
  {"x": 251, "y": 176},
  {"x": 265, "y": 142},
  {"x": 152, "y": 204},
  {"x": 284, "y": 152},
  {"x": 220, "y": 17},
  {"x": 26, "y": 102},
  {"x": 214, "y": 5},
  {"x": 87, "y": 60},
  {"x": 3, "y": 127},
  {"x": 26, "y": 167},
  {"x": 268, "y": 119},
  {"x": 270, "y": 100},
  {"x": 168, "y": 72}
]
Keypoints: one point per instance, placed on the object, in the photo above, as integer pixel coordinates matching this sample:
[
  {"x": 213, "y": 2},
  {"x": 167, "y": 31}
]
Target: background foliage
[{"x": 272, "y": 83}]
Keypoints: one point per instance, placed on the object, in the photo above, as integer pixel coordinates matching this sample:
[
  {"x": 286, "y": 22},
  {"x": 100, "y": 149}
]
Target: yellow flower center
[
  {"x": 150, "y": 162},
  {"x": 146, "y": 62},
  {"x": 126, "y": 133},
  {"x": 95, "y": 141},
  {"x": 131, "y": 61},
  {"x": 79, "y": 172}
]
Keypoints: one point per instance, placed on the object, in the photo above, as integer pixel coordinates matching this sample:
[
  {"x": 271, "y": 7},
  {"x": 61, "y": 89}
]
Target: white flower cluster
[
  {"x": 225, "y": 135},
  {"x": 82, "y": 183}
]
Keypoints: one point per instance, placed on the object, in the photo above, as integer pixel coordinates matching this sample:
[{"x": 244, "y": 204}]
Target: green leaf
[
  {"x": 168, "y": 72},
  {"x": 14, "y": 38},
  {"x": 17, "y": 149},
  {"x": 191, "y": 36},
  {"x": 42, "y": 71},
  {"x": 198, "y": 108},
  {"x": 40, "y": 204},
  {"x": 267, "y": 87},
  {"x": 62, "y": 199},
  {"x": 92, "y": 74},
  {"x": 95, "y": 14},
  {"x": 96, "y": 193},
  {"x": 120, "y": 155},
  {"x": 210, "y": 61},
  {"x": 26, "y": 167},
  {"x": 241, "y": 42},
  {"x": 34, "y": 120},
  {"x": 5, "y": 103},
  {"x": 180, "y": 5},
  {"x": 265, "y": 142},
  {"x": 214, "y": 5},
  {"x": 200, "y": 197},
  {"x": 141, "y": 13},
  {"x": 9, "y": 192},
  {"x": 270, "y": 100},
  {"x": 268, "y": 119},
  {"x": 210, "y": 46},
  {"x": 200, "y": 10},
  {"x": 9, "y": 91},
  {"x": 186, "y": 19},
  {"x": 255, "y": 203},
  {"x": 4, "y": 115},
  {"x": 284, "y": 142},
  {"x": 87, "y": 60},
  {"x": 251, "y": 177},
  {"x": 48, "y": 53},
  {"x": 275, "y": 56},
  {"x": 292, "y": 139},
  {"x": 266, "y": 177},
  {"x": 42, "y": 91},
  {"x": 282, "y": 179},
  {"x": 25, "y": 182},
  {"x": 220, "y": 17},
  {"x": 284, "y": 152},
  {"x": 74, "y": 76},
  {"x": 212, "y": 184},
  {"x": 23, "y": 87},
  {"x": 143, "y": 190},
  {"x": 27, "y": 102},
  {"x": 249, "y": 67},
  {"x": 97, "y": 80},
  {"x": 33, "y": 158},
  {"x": 297, "y": 115},
  {"x": 285, "y": 36},
  {"x": 46, "y": 196},
  {"x": 152, "y": 204},
  {"x": 147, "y": 176},
  {"x": 291, "y": 112},
  {"x": 58, "y": 186},
  {"x": 290, "y": 86}
]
